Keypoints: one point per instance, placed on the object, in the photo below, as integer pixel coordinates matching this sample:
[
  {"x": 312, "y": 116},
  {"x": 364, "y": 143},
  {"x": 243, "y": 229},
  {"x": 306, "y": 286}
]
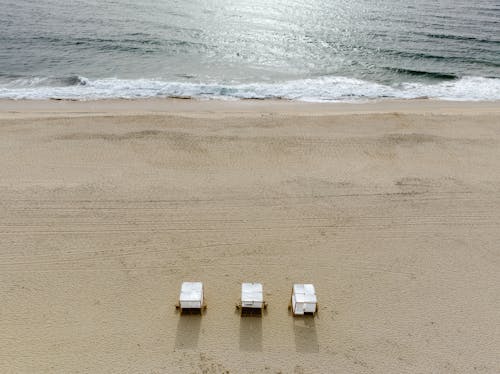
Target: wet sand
[{"x": 391, "y": 209}]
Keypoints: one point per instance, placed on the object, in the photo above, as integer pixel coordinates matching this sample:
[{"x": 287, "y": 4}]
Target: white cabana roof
[
  {"x": 251, "y": 292},
  {"x": 304, "y": 299},
  {"x": 304, "y": 293},
  {"x": 191, "y": 291}
]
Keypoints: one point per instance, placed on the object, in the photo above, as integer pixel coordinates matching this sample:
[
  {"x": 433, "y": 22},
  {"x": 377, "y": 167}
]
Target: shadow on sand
[
  {"x": 251, "y": 334},
  {"x": 306, "y": 339},
  {"x": 188, "y": 332}
]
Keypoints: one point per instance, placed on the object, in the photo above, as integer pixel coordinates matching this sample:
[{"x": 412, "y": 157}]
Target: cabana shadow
[
  {"x": 188, "y": 332},
  {"x": 251, "y": 334},
  {"x": 306, "y": 338}
]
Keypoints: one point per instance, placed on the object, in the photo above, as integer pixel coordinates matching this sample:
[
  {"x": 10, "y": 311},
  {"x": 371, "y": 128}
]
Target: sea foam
[{"x": 331, "y": 88}]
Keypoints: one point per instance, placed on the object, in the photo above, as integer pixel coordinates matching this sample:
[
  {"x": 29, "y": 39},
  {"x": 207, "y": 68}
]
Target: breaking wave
[{"x": 331, "y": 88}]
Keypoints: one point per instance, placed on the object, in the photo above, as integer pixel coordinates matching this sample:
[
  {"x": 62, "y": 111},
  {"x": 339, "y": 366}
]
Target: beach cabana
[
  {"x": 191, "y": 298},
  {"x": 252, "y": 299},
  {"x": 303, "y": 300}
]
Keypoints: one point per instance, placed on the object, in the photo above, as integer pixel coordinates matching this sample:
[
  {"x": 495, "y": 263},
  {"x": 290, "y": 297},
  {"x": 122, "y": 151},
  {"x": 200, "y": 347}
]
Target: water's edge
[{"x": 323, "y": 89}]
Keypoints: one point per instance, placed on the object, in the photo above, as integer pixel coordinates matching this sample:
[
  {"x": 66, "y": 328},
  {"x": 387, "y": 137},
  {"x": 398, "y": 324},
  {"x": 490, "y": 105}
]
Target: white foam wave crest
[{"x": 316, "y": 90}]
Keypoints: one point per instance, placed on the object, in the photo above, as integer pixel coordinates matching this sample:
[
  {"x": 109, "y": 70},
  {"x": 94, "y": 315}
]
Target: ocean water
[{"x": 316, "y": 50}]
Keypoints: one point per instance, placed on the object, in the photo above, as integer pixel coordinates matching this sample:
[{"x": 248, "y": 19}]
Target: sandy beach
[{"x": 391, "y": 209}]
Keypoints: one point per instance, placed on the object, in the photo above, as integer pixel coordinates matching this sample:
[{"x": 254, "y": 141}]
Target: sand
[{"x": 391, "y": 209}]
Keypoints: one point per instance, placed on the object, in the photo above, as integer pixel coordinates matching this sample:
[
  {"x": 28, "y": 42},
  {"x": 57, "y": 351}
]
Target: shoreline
[{"x": 10, "y": 107}]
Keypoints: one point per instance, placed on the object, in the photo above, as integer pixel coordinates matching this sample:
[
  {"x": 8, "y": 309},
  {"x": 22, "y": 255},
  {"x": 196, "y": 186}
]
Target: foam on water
[{"x": 331, "y": 88}]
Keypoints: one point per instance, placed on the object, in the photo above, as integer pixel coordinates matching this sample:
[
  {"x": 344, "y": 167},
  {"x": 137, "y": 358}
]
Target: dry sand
[{"x": 392, "y": 210}]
